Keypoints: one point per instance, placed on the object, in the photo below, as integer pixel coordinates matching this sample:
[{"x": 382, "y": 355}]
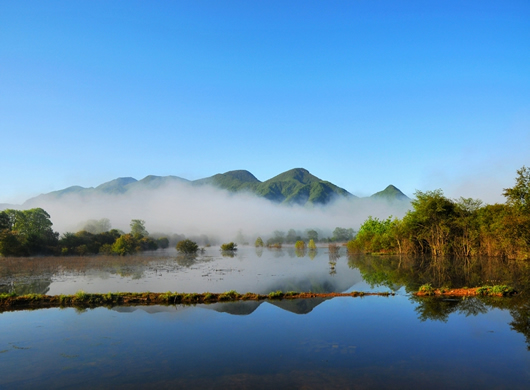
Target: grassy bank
[
  {"x": 497, "y": 290},
  {"x": 83, "y": 299}
]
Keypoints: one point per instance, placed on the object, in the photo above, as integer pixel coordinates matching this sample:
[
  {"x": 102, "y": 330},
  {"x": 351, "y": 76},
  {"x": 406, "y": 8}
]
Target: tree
[
  {"x": 430, "y": 221},
  {"x": 519, "y": 195},
  {"x": 259, "y": 242},
  {"x": 291, "y": 237},
  {"x": 163, "y": 242},
  {"x": 29, "y": 231},
  {"x": 125, "y": 245},
  {"x": 312, "y": 235},
  {"x": 312, "y": 246},
  {"x": 342, "y": 234},
  {"x": 187, "y": 247},
  {"x": 138, "y": 228},
  {"x": 96, "y": 226},
  {"x": 4, "y": 221}
]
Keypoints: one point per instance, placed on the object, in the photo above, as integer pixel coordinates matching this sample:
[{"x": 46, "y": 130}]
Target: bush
[
  {"x": 427, "y": 289},
  {"x": 187, "y": 246},
  {"x": 312, "y": 246},
  {"x": 259, "y": 242},
  {"x": 299, "y": 244},
  {"x": 229, "y": 247}
]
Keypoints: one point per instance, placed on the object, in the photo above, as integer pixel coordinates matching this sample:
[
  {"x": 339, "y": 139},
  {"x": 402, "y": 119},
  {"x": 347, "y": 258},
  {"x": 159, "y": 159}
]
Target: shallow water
[
  {"x": 258, "y": 271},
  {"x": 370, "y": 342}
]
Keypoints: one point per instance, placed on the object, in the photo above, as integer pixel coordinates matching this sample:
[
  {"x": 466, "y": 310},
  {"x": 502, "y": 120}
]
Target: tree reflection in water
[{"x": 410, "y": 273}]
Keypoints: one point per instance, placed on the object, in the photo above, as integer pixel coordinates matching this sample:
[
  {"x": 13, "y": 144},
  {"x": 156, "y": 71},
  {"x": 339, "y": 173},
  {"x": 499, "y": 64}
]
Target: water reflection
[
  {"x": 409, "y": 272},
  {"x": 251, "y": 269}
]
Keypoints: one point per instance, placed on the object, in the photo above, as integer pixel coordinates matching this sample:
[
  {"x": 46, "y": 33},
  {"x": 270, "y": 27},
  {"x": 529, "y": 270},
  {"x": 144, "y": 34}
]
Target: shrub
[
  {"x": 259, "y": 242},
  {"x": 230, "y": 246},
  {"x": 187, "y": 246},
  {"x": 427, "y": 289},
  {"x": 299, "y": 244},
  {"x": 312, "y": 246}
]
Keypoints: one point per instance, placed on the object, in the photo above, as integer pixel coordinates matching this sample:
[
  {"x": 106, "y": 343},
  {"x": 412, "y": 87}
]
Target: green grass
[{"x": 427, "y": 289}]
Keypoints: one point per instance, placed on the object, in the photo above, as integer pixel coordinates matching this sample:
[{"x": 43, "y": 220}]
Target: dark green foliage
[
  {"x": 83, "y": 242},
  {"x": 26, "y": 232},
  {"x": 187, "y": 247}
]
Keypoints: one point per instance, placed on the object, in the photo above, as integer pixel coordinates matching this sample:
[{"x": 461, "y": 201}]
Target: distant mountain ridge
[{"x": 295, "y": 186}]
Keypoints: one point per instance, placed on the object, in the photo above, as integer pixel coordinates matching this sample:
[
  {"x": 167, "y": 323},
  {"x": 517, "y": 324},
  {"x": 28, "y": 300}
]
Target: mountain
[
  {"x": 117, "y": 186},
  {"x": 233, "y": 181},
  {"x": 391, "y": 194},
  {"x": 296, "y": 186},
  {"x": 300, "y": 187}
]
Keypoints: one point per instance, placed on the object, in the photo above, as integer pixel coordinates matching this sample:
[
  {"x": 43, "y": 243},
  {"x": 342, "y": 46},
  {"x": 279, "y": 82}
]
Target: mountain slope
[
  {"x": 233, "y": 181},
  {"x": 390, "y": 193},
  {"x": 296, "y": 186},
  {"x": 300, "y": 187}
]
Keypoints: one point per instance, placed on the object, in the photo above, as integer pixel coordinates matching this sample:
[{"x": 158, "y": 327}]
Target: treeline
[
  {"x": 440, "y": 226},
  {"x": 279, "y": 237},
  {"x": 29, "y": 232}
]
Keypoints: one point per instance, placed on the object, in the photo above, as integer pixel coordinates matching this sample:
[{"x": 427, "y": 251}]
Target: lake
[{"x": 371, "y": 342}]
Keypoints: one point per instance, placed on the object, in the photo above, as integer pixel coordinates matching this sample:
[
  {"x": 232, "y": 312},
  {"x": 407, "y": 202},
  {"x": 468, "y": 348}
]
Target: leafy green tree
[
  {"x": 125, "y": 245},
  {"x": 138, "y": 228},
  {"x": 430, "y": 221},
  {"x": 187, "y": 247},
  {"x": 311, "y": 245},
  {"x": 30, "y": 232},
  {"x": 259, "y": 242},
  {"x": 342, "y": 234},
  {"x": 519, "y": 195}
]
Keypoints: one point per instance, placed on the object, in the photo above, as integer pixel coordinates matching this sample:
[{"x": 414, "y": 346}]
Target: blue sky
[{"x": 423, "y": 95}]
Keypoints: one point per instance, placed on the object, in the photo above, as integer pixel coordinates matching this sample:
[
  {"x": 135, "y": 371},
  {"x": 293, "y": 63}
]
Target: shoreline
[{"x": 10, "y": 302}]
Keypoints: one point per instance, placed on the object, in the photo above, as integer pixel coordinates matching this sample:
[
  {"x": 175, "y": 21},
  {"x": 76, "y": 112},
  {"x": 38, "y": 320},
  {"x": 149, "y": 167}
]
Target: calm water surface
[{"x": 370, "y": 342}]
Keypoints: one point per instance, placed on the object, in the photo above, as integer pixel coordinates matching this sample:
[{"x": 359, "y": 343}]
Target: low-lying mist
[{"x": 180, "y": 208}]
